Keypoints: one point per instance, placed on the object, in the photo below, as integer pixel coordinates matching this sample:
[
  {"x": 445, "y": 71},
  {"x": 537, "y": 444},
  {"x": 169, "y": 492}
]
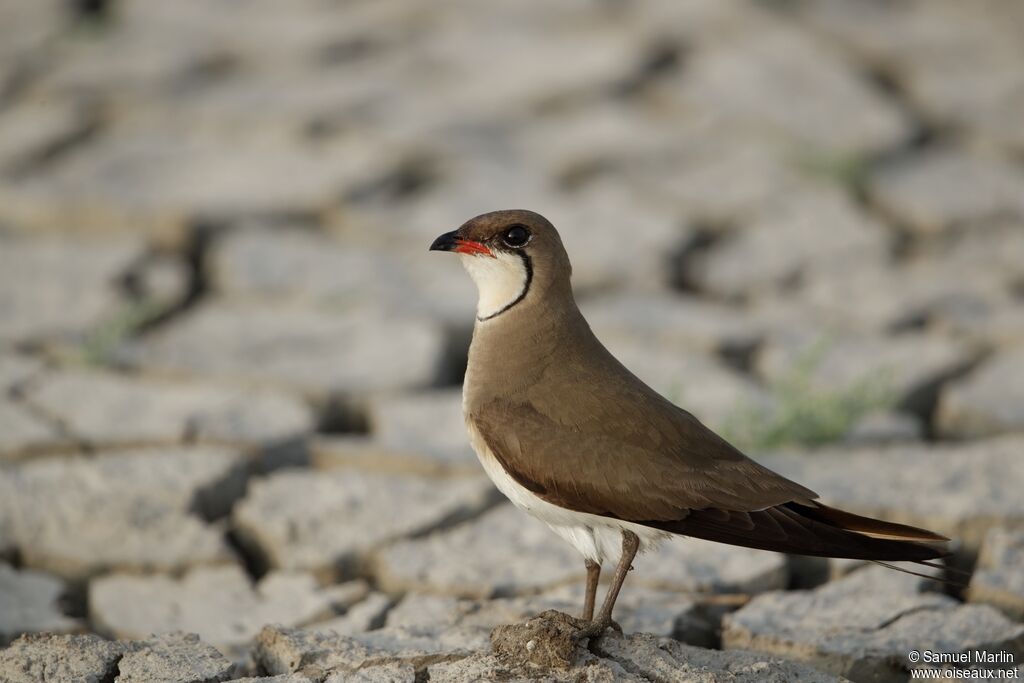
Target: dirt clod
[{"x": 546, "y": 640}]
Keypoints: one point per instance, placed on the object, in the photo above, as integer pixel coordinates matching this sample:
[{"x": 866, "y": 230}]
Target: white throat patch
[{"x": 499, "y": 280}]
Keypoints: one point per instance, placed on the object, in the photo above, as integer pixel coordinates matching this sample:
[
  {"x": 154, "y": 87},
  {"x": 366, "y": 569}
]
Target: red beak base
[{"x": 470, "y": 247}]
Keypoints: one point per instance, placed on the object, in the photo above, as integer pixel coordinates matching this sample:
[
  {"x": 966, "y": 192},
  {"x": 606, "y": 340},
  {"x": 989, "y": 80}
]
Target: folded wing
[{"x": 636, "y": 457}]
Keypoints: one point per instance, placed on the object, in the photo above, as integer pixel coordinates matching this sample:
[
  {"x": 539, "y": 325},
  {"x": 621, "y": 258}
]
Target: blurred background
[{"x": 230, "y": 370}]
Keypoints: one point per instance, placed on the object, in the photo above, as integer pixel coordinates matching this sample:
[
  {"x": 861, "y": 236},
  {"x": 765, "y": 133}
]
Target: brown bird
[{"x": 575, "y": 439}]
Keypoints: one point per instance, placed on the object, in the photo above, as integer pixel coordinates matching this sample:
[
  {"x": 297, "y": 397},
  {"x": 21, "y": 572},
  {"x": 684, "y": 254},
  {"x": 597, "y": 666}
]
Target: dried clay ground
[{"x": 231, "y": 441}]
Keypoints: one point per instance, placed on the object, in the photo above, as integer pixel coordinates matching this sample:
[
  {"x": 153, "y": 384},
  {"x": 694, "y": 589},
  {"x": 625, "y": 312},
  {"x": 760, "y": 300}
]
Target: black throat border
[{"x": 528, "y": 264}]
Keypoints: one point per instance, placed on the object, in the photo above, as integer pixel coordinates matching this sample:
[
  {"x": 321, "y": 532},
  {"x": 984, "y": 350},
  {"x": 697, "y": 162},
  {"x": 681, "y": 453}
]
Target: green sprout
[
  {"x": 803, "y": 413},
  {"x": 98, "y": 347},
  {"x": 846, "y": 170}
]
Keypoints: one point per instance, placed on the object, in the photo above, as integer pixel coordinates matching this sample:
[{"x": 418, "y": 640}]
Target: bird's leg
[
  {"x": 630, "y": 545},
  {"x": 593, "y": 574}
]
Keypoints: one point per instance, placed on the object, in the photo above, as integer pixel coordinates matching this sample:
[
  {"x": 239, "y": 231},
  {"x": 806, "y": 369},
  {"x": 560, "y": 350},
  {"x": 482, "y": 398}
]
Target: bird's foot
[{"x": 596, "y": 628}]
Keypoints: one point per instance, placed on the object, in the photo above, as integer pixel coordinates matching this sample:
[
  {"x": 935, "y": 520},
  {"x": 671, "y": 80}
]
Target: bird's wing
[
  {"x": 588, "y": 435},
  {"x": 628, "y": 454},
  {"x": 685, "y": 480}
]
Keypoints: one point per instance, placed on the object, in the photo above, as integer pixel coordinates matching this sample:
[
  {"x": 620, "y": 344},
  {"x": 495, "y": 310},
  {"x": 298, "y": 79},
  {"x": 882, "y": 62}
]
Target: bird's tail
[
  {"x": 918, "y": 541},
  {"x": 867, "y": 538},
  {"x": 957, "y": 578}
]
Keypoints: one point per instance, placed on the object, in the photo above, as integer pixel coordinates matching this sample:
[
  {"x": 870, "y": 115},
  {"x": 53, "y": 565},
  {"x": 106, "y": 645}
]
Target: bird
[{"x": 570, "y": 436}]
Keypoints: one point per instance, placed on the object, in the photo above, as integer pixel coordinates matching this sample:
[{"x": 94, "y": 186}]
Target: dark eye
[{"x": 516, "y": 236}]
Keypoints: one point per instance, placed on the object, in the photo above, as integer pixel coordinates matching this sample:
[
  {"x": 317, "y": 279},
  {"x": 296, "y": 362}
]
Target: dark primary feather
[
  {"x": 795, "y": 528},
  {"x": 640, "y": 471}
]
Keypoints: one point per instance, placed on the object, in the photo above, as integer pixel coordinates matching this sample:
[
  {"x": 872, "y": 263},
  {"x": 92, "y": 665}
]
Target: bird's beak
[
  {"x": 450, "y": 241},
  {"x": 445, "y": 242}
]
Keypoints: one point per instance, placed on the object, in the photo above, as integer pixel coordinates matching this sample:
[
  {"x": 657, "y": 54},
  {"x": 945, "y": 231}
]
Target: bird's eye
[{"x": 516, "y": 236}]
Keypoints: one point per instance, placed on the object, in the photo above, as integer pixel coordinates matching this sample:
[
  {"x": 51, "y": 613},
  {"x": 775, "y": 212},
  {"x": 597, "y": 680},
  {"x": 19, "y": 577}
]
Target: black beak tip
[{"x": 445, "y": 242}]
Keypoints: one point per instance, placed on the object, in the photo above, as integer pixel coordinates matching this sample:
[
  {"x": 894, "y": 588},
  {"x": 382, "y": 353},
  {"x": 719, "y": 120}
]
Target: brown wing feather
[
  {"x": 648, "y": 471},
  {"x": 730, "y": 500}
]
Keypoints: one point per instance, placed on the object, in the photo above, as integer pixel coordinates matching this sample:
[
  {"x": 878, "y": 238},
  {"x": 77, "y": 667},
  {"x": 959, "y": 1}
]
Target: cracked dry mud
[{"x": 229, "y": 370}]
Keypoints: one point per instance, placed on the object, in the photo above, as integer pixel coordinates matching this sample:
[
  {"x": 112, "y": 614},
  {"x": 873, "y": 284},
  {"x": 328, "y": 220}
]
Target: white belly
[{"x": 596, "y": 538}]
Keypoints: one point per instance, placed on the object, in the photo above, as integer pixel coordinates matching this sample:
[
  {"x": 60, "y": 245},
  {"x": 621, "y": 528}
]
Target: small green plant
[
  {"x": 846, "y": 170},
  {"x": 803, "y": 413},
  {"x": 99, "y": 345}
]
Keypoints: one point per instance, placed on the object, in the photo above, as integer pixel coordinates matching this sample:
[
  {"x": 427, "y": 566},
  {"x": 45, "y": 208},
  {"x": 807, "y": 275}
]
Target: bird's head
[{"x": 510, "y": 255}]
